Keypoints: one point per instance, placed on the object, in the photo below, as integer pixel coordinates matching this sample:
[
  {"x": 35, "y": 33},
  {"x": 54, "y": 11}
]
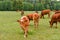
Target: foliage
[
  {"x": 12, "y": 5},
  {"x": 27, "y": 6}
]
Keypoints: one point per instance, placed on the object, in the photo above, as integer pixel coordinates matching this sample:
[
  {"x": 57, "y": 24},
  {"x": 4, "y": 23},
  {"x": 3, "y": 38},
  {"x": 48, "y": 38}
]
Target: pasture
[{"x": 11, "y": 30}]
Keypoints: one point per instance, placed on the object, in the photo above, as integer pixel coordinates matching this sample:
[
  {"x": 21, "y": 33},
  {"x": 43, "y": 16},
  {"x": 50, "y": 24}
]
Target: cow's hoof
[{"x": 24, "y": 36}]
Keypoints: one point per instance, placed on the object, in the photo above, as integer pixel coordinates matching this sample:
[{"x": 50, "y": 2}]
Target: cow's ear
[{"x": 17, "y": 20}]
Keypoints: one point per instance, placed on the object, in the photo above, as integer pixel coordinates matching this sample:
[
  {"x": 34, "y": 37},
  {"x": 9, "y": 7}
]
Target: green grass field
[{"x": 10, "y": 28}]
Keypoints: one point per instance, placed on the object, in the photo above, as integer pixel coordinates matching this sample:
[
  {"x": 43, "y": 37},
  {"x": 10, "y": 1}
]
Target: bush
[
  {"x": 58, "y": 6},
  {"x": 5, "y": 5},
  {"x": 38, "y": 6},
  {"x": 27, "y": 6}
]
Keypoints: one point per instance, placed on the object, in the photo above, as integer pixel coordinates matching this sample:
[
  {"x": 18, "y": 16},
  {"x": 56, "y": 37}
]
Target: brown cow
[
  {"x": 24, "y": 23},
  {"x": 17, "y": 10},
  {"x": 45, "y": 12},
  {"x": 57, "y": 11},
  {"x": 55, "y": 18},
  {"x": 35, "y": 18}
]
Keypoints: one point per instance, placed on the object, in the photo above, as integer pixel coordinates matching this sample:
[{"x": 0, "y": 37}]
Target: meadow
[{"x": 11, "y": 30}]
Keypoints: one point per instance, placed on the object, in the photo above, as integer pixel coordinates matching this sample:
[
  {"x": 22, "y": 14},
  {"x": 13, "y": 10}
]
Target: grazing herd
[{"x": 25, "y": 20}]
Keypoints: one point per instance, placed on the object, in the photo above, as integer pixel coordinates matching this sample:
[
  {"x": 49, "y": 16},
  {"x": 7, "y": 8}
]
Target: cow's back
[
  {"x": 57, "y": 12},
  {"x": 55, "y": 17},
  {"x": 45, "y": 11},
  {"x": 30, "y": 16}
]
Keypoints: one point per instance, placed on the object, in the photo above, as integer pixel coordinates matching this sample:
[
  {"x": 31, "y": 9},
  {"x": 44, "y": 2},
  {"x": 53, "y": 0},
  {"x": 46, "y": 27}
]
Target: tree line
[{"x": 28, "y": 5}]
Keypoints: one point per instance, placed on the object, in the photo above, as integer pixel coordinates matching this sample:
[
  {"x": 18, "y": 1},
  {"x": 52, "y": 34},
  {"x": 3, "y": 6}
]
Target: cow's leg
[
  {"x": 22, "y": 28},
  {"x": 26, "y": 31},
  {"x": 49, "y": 15},
  {"x": 36, "y": 24},
  {"x": 21, "y": 14},
  {"x": 51, "y": 25},
  {"x": 43, "y": 16},
  {"x": 56, "y": 24}
]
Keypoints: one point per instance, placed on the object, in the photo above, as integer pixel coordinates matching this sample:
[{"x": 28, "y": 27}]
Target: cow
[
  {"x": 45, "y": 12},
  {"x": 55, "y": 18},
  {"x": 57, "y": 11},
  {"x": 36, "y": 11},
  {"x": 17, "y": 10},
  {"x": 22, "y": 12},
  {"x": 35, "y": 17},
  {"x": 24, "y": 23}
]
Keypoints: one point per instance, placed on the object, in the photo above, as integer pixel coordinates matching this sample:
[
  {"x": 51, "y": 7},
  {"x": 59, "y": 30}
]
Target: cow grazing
[
  {"x": 24, "y": 23},
  {"x": 57, "y": 11},
  {"x": 55, "y": 18},
  {"x": 45, "y": 12},
  {"x": 22, "y": 12},
  {"x": 35, "y": 17},
  {"x": 17, "y": 10}
]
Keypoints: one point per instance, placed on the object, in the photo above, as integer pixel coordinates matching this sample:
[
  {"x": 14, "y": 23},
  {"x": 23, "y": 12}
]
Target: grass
[{"x": 10, "y": 28}]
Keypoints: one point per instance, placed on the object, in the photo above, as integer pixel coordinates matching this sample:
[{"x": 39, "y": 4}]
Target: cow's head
[
  {"x": 40, "y": 15},
  {"x": 18, "y": 21},
  {"x": 51, "y": 23}
]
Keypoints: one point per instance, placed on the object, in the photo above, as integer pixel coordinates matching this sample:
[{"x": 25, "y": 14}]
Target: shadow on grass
[
  {"x": 31, "y": 24},
  {"x": 29, "y": 33}
]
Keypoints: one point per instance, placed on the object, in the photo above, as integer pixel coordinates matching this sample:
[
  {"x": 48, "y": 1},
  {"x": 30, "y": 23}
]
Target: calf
[
  {"x": 55, "y": 18},
  {"x": 36, "y": 19},
  {"x": 45, "y": 12},
  {"x": 24, "y": 23}
]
